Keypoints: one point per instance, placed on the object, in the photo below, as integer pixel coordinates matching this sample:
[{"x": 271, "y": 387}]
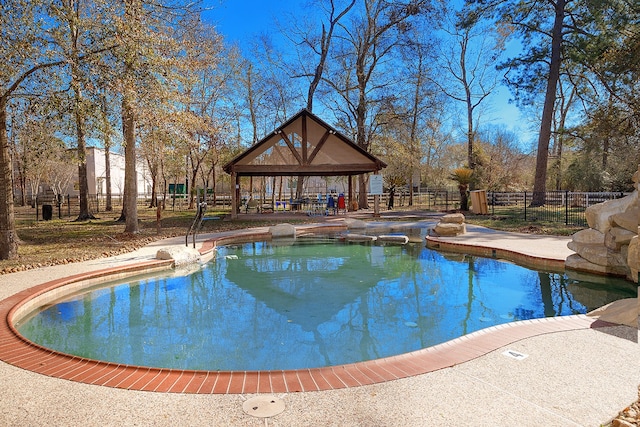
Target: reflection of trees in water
[
  {"x": 470, "y": 295},
  {"x": 356, "y": 301},
  {"x": 556, "y": 297},
  {"x": 135, "y": 322},
  {"x": 544, "y": 279},
  {"x": 408, "y": 308},
  {"x": 551, "y": 289}
]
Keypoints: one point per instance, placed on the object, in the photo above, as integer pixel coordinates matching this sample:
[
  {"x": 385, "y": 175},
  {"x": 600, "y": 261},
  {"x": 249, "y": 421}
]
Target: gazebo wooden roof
[{"x": 304, "y": 145}]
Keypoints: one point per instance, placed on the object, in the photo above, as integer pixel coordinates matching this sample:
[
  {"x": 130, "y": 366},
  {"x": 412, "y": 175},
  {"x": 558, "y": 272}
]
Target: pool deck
[{"x": 575, "y": 371}]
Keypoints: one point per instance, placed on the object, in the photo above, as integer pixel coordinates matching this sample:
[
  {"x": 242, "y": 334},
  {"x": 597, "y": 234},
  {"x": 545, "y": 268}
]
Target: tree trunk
[
  {"x": 363, "y": 199},
  {"x": 8, "y": 236},
  {"x": 154, "y": 193},
  {"x": 464, "y": 199},
  {"x": 154, "y": 170},
  {"x": 18, "y": 168},
  {"x": 544, "y": 137},
  {"x": 129, "y": 208},
  {"x": 470, "y": 132},
  {"x": 76, "y": 84},
  {"x": 107, "y": 172},
  {"x": 559, "y": 162},
  {"x": 193, "y": 194},
  {"x": 214, "y": 183},
  {"x": 299, "y": 187},
  {"x": 106, "y": 140},
  {"x": 325, "y": 43},
  {"x": 164, "y": 193},
  {"x": 85, "y": 213}
]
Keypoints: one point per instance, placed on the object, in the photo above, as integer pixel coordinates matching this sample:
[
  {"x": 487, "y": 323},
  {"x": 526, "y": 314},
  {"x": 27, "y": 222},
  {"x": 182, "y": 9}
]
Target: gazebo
[{"x": 304, "y": 145}]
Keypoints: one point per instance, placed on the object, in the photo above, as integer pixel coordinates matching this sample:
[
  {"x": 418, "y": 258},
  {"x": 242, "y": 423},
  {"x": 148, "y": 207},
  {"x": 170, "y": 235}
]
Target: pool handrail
[{"x": 197, "y": 223}]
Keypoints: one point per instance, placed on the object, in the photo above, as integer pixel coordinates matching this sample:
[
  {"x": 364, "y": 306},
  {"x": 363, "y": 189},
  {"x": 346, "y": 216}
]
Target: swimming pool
[{"x": 306, "y": 303}]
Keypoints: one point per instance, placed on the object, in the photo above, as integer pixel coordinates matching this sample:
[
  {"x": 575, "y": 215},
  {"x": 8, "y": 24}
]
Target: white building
[{"x": 96, "y": 174}]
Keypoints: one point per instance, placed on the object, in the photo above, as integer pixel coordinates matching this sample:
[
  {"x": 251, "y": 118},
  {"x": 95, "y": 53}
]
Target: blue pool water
[{"x": 265, "y": 306}]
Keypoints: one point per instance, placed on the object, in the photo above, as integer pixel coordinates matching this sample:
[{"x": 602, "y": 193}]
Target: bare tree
[
  {"x": 559, "y": 135},
  {"x": 149, "y": 75},
  {"x": 541, "y": 26},
  {"x": 107, "y": 132},
  {"x": 469, "y": 57},
  {"x": 366, "y": 42},
  {"x": 320, "y": 45},
  {"x": 70, "y": 37},
  {"x": 29, "y": 55},
  {"x": 544, "y": 137},
  {"x": 33, "y": 137},
  {"x": 311, "y": 42},
  {"x": 421, "y": 100},
  {"x": 59, "y": 172}
]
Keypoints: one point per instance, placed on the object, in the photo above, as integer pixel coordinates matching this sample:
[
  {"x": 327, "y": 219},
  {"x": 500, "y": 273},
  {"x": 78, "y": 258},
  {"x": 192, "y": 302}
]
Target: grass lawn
[
  {"x": 61, "y": 241},
  {"x": 516, "y": 224}
]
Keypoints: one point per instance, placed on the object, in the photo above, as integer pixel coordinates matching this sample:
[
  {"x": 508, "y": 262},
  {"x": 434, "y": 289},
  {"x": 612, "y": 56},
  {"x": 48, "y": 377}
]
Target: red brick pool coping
[{"x": 18, "y": 351}]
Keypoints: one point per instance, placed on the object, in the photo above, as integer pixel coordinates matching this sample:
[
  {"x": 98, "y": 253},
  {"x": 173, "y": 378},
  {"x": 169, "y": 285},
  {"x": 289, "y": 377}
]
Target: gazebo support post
[
  {"x": 376, "y": 202},
  {"x": 235, "y": 195},
  {"x": 350, "y": 192}
]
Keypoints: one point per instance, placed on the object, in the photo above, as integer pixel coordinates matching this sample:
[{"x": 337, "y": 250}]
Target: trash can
[{"x": 47, "y": 212}]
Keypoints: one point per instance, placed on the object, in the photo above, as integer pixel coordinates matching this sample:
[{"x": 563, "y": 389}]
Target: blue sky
[{"x": 240, "y": 20}]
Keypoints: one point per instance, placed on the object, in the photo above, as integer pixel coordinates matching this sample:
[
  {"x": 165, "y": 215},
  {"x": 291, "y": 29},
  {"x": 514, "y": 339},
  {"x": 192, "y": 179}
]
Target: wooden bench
[{"x": 259, "y": 207}]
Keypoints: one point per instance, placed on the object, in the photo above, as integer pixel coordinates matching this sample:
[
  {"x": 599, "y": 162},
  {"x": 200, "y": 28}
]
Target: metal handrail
[{"x": 197, "y": 223}]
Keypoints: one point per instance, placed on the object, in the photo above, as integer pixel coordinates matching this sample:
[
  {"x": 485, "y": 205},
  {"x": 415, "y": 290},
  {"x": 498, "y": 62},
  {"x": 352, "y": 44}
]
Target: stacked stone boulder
[
  {"x": 451, "y": 225},
  {"x": 610, "y": 245}
]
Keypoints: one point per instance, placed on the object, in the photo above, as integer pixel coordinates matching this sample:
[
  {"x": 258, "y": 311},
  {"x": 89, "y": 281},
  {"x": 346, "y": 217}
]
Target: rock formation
[
  {"x": 610, "y": 245},
  {"x": 282, "y": 230},
  {"x": 180, "y": 255},
  {"x": 451, "y": 225}
]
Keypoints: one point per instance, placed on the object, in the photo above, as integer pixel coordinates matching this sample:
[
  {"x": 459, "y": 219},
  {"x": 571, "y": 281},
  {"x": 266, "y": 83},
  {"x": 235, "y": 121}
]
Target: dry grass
[{"x": 61, "y": 241}]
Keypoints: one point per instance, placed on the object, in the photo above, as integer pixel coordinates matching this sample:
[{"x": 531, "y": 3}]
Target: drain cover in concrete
[
  {"x": 263, "y": 406},
  {"x": 515, "y": 354}
]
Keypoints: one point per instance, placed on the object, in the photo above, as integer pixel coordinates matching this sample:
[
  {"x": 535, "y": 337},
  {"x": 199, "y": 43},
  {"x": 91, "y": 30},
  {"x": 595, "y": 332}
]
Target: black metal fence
[
  {"x": 565, "y": 207},
  {"x": 49, "y": 206},
  {"x": 559, "y": 206}
]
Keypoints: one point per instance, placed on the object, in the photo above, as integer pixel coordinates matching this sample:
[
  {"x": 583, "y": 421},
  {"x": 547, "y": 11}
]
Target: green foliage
[
  {"x": 462, "y": 176},
  {"x": 584, "y": 174}
]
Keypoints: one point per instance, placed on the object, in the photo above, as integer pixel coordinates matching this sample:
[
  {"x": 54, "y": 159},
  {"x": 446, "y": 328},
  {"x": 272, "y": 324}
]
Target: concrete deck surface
[{"x": 577, "y": 378}]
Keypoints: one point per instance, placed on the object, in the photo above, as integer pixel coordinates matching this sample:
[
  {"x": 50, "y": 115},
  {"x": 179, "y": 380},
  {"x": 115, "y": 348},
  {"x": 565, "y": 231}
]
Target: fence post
[
  {"x": 68, "y": 205},
  {"x": 493, "y": 203},
  {"x": 525, "y": 205},
  {"x": 566, "y": 207}
]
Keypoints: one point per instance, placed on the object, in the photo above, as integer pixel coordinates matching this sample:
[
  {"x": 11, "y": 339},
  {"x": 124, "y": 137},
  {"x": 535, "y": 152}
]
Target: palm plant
[{"x": 463, "y": 177}]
